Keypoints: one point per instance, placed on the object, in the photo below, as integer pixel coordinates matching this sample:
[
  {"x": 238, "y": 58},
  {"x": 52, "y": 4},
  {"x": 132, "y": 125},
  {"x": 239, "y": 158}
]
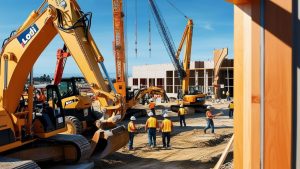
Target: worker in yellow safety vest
[
  {"x": 181, "y": 113},
  {"x": 151, "y": 126},
  {"x": 131, "y": 131},
  {"x": 231, "y": 108},
  {"x": 166, "y": 128}
]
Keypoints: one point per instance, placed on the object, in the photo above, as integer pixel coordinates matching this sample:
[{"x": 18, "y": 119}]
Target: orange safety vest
[
  {"x": 209, "y": 115},
  {"x": 152, "y": 122},
  {"x": 152, "y": 105},
  {"x": 131, "y": 127},
  {"x": 167, "y": 125},
  {"x": 182, "y": 111},
  {"x": 42, "y": 98}
]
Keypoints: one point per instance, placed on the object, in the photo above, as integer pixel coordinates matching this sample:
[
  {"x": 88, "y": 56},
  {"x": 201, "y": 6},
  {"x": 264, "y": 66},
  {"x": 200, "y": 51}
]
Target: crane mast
[{"x": 119, "y": 47}]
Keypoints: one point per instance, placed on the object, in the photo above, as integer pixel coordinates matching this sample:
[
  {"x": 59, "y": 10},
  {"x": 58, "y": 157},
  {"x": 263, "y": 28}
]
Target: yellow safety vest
[
  {"x": 167, "y": 125},
  {"x": 182, "y": 111},
  {"x": 152, "y": 122},
  {"x": 231, "y": 105},
  {"x": 131, "y": 127}
]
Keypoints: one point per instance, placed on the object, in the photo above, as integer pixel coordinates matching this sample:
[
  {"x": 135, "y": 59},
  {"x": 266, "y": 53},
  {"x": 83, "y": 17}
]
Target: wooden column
[{"x": 277, "y": 42}]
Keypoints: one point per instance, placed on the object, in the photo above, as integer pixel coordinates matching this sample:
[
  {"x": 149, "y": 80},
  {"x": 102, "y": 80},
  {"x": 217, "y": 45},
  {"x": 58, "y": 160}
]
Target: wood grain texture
[
  {"x": 278, "y": 84},
  {"x": 255, "y": 87},
  {"x": 238, "y": 87}
]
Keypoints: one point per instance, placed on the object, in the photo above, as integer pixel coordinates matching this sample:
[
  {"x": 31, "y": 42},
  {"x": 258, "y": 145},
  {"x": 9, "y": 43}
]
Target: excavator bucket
[{"x": 105, "y": 142}]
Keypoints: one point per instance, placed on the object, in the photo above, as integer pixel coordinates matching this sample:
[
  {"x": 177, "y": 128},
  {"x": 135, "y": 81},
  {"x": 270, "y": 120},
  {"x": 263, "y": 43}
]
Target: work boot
[{"x": 204, "y": 131}]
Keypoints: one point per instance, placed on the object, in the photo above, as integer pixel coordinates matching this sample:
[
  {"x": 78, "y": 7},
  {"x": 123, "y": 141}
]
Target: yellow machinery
[
  {"x": 21, "y": 129},
  {"x": 189, "y": 98},
  {"x": 79, "y": 115},
  {"x": 131, "y": 97}
]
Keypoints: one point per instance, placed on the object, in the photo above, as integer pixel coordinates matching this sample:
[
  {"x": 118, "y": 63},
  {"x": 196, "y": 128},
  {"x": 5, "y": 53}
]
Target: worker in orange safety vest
[
  {"x": 209, "y": 119},
  {"x": 166, "y": 128},
  {"x": 152, "y": 106},
  {"x": 151, "y": 126},
  {"x": 131, "y": 131}
]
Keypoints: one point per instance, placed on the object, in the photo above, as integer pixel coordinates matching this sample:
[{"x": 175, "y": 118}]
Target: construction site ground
[{"x": 190, "y": 147}]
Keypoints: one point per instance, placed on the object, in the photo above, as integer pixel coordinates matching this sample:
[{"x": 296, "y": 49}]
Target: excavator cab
[
  {"x": 56, "y": 111},
  {"x": 50, "y": 117}
]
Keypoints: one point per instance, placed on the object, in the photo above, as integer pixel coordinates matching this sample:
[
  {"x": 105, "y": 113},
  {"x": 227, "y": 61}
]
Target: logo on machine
[
  {"x": 69, "y": 102},
  {"x": 61, "y": 3},
  {"x": 27, "y": 35}
]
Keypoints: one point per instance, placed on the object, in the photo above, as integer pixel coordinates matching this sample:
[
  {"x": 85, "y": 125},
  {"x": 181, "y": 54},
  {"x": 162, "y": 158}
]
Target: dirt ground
[{"x": 190, "y": 147}]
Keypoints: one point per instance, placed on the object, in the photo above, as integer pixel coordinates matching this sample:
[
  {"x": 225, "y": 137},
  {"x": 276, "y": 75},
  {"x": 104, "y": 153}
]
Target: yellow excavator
[{"x": 30, "y": 134}]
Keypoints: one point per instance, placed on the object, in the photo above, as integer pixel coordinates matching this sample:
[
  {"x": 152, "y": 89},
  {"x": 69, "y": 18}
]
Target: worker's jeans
[
  {"x": 130, "y": 144},
  {"x": 182, "y": 120},
  {"x": 152, "y": 136},
  {"x": 166, "y": 136},
  {"x": 210, "y": 124},
  {"x": 153, "y": 111},
  {"x": 230, "y": 113}
]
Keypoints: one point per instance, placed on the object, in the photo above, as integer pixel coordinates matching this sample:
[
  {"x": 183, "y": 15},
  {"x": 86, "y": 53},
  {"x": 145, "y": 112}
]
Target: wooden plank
[
  {"x": 224, "y": 154},
  {"x": 238, "y": 86}
]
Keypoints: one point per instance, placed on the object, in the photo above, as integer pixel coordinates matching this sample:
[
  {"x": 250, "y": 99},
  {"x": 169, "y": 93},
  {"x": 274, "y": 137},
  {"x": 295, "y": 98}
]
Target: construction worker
[
  {"x": 152, "y": 106},
  {"x": 181, "y": 113},
  {"x": 151, "y": 126},
  {"x": 166, "y": 128},
  {"x": 41, "y": 98},
  {"x": 131, "y": 131},
  {"x": 228, "y": 95},
  {"x": 209, "y": 119},
  {"x": 231, "y": 107}
]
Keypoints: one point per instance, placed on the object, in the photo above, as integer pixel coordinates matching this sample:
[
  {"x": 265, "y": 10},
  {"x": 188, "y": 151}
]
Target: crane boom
[
  {"x": 167, "y": 39},
  {"x": 119, "y": 47}
]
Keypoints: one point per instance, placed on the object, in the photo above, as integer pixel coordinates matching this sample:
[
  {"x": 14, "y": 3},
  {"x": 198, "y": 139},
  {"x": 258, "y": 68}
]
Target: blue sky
[{"x": 213, "y": 29}]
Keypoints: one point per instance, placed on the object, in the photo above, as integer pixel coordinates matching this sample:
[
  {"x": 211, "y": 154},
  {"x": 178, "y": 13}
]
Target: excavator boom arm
[{"x": 23, "y": 49}]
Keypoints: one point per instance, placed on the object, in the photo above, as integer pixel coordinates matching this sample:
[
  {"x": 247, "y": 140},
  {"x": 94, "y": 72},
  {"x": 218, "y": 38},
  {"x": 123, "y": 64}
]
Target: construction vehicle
[
  {"x": 78, "y": 108},
  {"x": 29, "y": 135},
  {"x": 189, "y": 98},
  {"x": 79, "y": 114},
  {"x": 131, "y": 97}
]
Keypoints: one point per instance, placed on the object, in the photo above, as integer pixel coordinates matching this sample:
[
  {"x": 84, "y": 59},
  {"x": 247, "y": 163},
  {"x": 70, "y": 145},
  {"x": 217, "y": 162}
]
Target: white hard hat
[
  {"x": 208, "y": 107},
  {"x": 166, "y": 115},
  {"x": 132, "y": 118},
  {"x": 181, "y": 105},
  {"x": 150, "y": 113}
]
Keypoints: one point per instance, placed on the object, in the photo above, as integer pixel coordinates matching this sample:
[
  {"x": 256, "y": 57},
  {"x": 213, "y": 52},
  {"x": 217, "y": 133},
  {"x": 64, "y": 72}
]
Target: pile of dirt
[{"x": 215, "y": 141}]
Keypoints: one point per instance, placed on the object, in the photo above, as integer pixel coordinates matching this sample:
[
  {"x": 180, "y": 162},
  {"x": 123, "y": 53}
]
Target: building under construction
[{"x": 201, "y": 77}]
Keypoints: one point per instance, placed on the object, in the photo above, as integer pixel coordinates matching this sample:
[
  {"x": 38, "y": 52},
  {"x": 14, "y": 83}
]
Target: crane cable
[
  {"x": 149, "y": 29},
  {"x": 177, "y": 9},
  {"x": 136, "y": 27}
]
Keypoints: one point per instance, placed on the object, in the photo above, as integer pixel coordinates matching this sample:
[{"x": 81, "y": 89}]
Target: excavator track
[
  {"x": 11, "y": 163},
  {"x": 64, "y": 148},
  {"x": 82, "y": 144}
]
